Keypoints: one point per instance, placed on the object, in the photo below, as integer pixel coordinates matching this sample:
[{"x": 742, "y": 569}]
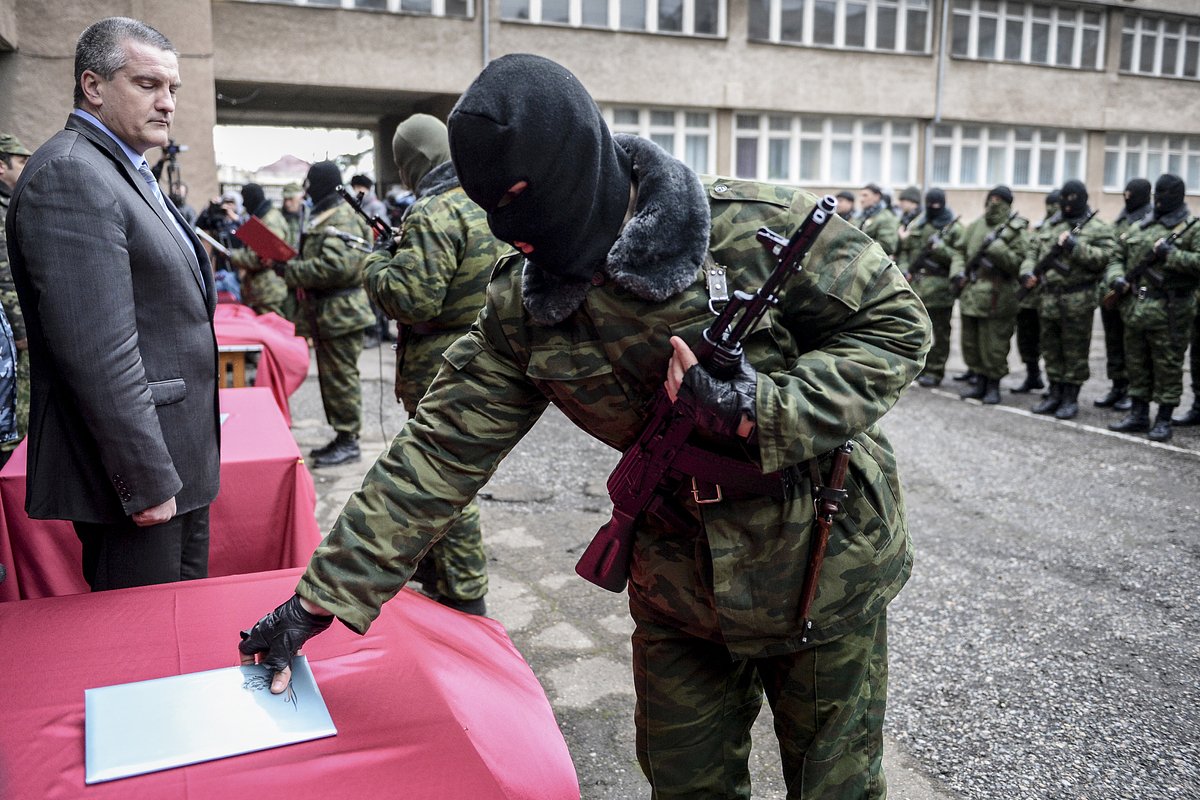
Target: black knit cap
[
  {"x": 253, "y": 197},
  {"x": 1138, "y": 191},
  {"x": 1074, "y": 199},
  {"x": 526, "y": 118},
  {"x": 1169, "y": 192},
  {"x": 323, "y": 177},
  {"x": 935, "y": 199},
  {"x": 1003, "y": 192}
]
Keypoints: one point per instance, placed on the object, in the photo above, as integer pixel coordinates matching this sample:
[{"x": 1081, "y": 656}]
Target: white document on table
[{"x": 135, "y": 728}]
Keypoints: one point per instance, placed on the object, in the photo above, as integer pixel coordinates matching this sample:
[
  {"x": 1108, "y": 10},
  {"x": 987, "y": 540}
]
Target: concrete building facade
[{"x": 827, "y": 94}]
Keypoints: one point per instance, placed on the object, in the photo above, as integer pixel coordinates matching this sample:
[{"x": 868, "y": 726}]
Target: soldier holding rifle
[
  {"x": 623, "y": 255},
  {"x": 929, "y": 255}
]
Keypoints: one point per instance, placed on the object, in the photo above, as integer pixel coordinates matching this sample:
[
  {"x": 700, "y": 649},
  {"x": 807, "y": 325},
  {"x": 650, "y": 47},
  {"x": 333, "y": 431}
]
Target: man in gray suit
[{"x": 118, "y": 300}]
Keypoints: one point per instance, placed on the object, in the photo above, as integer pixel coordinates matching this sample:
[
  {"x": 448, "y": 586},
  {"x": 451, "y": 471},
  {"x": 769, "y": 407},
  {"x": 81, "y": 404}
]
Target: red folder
[{"x": 263, "y": 242}]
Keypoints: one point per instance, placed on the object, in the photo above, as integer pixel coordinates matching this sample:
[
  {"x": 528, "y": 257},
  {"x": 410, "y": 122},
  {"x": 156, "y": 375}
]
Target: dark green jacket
[
  {"x": 929, "y": 265},
  {"x": 262, "y": 289},
  {"x": 1071, "y": 290},
  {"x": 991, "y": 292},
  {"x": 330, "y": 273},
  {"x": 1173, "y": 302}
]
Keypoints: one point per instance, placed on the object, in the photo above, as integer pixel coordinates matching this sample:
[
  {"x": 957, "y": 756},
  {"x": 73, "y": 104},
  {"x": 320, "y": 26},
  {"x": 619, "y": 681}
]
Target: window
[
  {"x": 889, "y": 25},
  {"x": 437, "y": 8},
  {"x": 1146, "y": 155},
  {"x": 688, "y": 17},
  {"x": 823, "y": 151},
  {"x": 687, "y": 135},
  {"x": 1160, "y": 46},
  {"x": 1028, "y": 33},
  {"x": 977, "y": 156}
]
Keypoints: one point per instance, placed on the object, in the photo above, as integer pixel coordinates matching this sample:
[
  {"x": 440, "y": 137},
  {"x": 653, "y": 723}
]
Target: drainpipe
[
  {"x": 937, "y": 96},
  {"x": 486, "y": 18}
]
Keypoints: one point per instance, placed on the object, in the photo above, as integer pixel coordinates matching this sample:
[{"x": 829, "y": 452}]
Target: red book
[{"x": 263, "y": 242}]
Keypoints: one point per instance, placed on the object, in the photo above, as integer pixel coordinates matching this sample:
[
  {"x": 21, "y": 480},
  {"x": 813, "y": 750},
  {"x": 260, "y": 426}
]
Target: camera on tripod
[{"x": 173, "y": 149}]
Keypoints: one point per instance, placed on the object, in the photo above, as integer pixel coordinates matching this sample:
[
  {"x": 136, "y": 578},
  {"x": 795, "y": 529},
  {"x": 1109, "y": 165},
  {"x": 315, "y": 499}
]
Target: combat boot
[
  {"x": 965, "y": 376},
  {"x": 1033, "y": 379},
  {"x": 1118, "y": 392},
  {"x": 344, "y": 450},
  {"x": 991, "y": 394},
  {"x": 1051, "y": 401},
  {"x": 1136, "y": 421},
  {"x": 1161, "y": 431},
  {"x": 477, "y": 607},
  {"x": 1192, "y": 417},
  {"x": 928, "y": 381},
  {"x": 974, "y": 389},
  {"x": 1069, "y": 406},
  {"x": 323, "y": 449},
  {"x": 1124, "y": 404}
]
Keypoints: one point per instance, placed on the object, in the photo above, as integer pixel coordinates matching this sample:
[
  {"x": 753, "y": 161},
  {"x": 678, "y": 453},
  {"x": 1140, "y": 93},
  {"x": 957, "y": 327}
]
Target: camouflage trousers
[
  {"x": 459, "y": 559},
  {"x": 22, "y": 374},
  {"x": 1154, "y": 360},
  {"x": 985, "y": 343},
  {"x": 1114, "y": 344},
  {"x": 935, "y": 362},
  {"x": 1194, "y": 359},
  {"x": 337, "y": 375},
  {"x": 1065, "y": 342},
  {"x": 696, "y": 705}
]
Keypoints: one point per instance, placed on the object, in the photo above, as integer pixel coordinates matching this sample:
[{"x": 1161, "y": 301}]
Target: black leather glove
[
  {"x": 1119, "y": 285},
  {"x": 1068, "y": 243},
  {"x": 717, "y": 406},
  {"x": 282, "y": 633},
  {"x": 1163, "y": 248}
]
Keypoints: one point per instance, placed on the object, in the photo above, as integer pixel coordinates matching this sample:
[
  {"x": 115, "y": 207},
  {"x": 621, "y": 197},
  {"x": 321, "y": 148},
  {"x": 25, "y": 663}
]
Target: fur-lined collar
[
  {"x": 1168, "y": 220},
  {"x": 658, "y": 252},
  {"x": 441, "y": 178}
]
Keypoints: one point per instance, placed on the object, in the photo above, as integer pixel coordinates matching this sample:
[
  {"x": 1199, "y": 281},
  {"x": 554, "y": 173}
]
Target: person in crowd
[
  {"x": 929, "y": 254},
  {"x": 877, "y": 220},
  {"x": 1158, "y": 312},
  {"x": 334, "y": 309},
  {"x": 993, "y": 248},
  {"x": 910, "y": 206},
  {"x": 1067, "y": 259},
  {"x": 9, "y": 435},
  {"x": 13, "y": 157},
  {"x": 294, "y": 212},
  {"x": 364, "y": 188},
  {"x": 593, "y": 311},
  {"x": 118, "y": 300},
  {"x": 434, "y": 286},
  {"x": 262, "y": 288},
  {"x": 1137, "y": 207},
  {"x": 1028, "y": 326},
  {"x": 845, "y": 204},
  {"x": 179, "y": 198}
]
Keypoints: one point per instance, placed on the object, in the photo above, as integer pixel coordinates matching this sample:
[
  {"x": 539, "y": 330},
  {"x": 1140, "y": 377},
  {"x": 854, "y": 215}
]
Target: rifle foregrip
[{"x": 605, "y": 562}]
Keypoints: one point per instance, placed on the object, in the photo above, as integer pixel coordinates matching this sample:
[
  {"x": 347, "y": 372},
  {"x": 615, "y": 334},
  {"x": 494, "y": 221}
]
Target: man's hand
[
  {"x": 725, "y": 408},
  {"x": 22, "y": 344},
  {"x": 155, "y": 515},
  {"x": 278, "y": 636}
]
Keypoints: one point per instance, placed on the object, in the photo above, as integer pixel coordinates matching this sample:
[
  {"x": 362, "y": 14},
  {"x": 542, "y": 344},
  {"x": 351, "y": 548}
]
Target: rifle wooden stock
[{"x": 640, "y": 473}]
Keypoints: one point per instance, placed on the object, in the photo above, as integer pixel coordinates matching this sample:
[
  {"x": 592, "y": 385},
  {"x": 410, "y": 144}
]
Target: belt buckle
[{"x": 704, "y": 501}]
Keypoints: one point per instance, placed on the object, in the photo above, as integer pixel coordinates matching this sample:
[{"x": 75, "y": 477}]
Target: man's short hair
[
  {"x": 874, "y": 189},
  {"x": 101, "y": 47},
  {"x": 362, "y": 180}
]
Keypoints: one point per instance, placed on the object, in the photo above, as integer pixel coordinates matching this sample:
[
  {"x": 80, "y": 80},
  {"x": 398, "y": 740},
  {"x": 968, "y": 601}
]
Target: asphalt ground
[{"x": 1042, "y": 649}]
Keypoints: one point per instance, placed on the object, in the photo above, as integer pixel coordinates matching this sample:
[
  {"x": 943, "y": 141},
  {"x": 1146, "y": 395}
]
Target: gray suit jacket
[{"x": 123, "y": 405}]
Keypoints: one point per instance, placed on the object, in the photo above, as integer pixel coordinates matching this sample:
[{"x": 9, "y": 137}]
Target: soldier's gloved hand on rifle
[
  {"x": 278, "y": 636},
  {"x": 1067, "y": 242},
  {"x": 722, "y": 408},
  {"x": 1163, "y": 248},
  {"x": 958, "y": 281},
  {"x": 1119, "y": 285}
]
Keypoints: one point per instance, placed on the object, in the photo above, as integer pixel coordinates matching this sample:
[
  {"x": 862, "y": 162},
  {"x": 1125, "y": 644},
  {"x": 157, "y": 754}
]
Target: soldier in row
[
  {"x": 1028, "y": 327},
  {"x": 877, "y": 220},
  {"x": 929, "y": 254}
]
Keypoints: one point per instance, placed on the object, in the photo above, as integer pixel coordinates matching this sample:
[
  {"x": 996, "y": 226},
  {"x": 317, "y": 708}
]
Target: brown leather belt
[{"x": 717, "y": 477}]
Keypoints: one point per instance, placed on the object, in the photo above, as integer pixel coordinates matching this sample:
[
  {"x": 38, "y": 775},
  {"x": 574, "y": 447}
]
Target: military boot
[
  {"x": 1033, "y": 379},
  {"x": 974, "y": 390},
  {"x": 991, "y": 394},
  {"x": 323, "y": 449},
  {"x": 1161, "y": 431},
  {"x": 1120, "y": 388},
  {"x": 1051, "y": 401},
  {"x": 1136, "y": 421},
  {"x": 478, "y": 606},
  {"x": 968, "y": 376},
  {"x": 1124, "y": 404},
  {"x": 344, "y": 450},
  {"x": 1069, "y": 406},
  {"x": 1192, "y": 417}
]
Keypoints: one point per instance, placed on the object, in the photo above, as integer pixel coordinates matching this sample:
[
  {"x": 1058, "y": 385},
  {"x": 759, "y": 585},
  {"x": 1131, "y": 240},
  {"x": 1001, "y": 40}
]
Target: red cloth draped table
[
  {"x": 283, "y": 364},
  {"x": 430, "y": 703},
  {"x": 263, "y": 518}
]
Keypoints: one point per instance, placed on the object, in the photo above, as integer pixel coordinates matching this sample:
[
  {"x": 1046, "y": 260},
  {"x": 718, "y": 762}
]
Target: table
[
  {"x": 263, "y": 518},
  {"x": 431, "y": 703},
  {"x": 283, "y": 365}
]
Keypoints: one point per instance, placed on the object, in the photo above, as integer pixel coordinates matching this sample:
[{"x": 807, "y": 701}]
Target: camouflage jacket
[
  {"x": 1069, "y": 290},
  {"x": 1122, "y": 225},
  {"x": 1154, "y": 305},
  {"x": 883, "y": 226},
  {"x": 929, "y": 266},
  {"x": 8, "y": 290},
  {"x": 846, "y": 339},
  {"x": 435, "y": 284},
  {"x": 991, "y": 292},
  {"x": 262, "y": 289},
  {"x": 329, "y": 272}
]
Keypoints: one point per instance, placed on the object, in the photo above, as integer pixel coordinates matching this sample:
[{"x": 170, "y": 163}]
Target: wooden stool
[{"x": 231, "y": 364}]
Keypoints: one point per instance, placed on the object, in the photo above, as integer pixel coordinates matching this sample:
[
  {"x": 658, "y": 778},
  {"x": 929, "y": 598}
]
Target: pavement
[{"x": 538, "y": 513}]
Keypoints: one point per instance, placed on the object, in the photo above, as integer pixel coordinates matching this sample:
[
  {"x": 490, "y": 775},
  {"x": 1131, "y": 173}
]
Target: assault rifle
[
  {"x": 383, "y": 231},
  {"x": 635, "y": 482},
  {"x": 1049, "y": 261},
  {"x": 970, "y": 273},
  {"x": 1144, "y": 269},
  {"x": 923, "y": 259}
]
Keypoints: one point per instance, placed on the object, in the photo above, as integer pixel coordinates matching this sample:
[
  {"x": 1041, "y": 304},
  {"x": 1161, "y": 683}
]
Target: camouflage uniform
[
  {"x": 728, "y": 580},
  {"x": 881, "y": 224},
  {"x": 1114, "y": 328},
  {"x": 929, "y": 268},
  {"x": 9, "y": 146},
  {"x": 334, "y": 309},
  {"x": 988, "y": 303},
  {"x": 433, "y": 287},
  {"x": 262, "y": 289}
]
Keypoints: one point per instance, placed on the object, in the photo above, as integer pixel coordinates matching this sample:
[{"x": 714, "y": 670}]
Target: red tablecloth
[
  {"x": 263, "y": 518},
  {"x": 283, "y": 364},
  {"x": 430, "y": 704}
]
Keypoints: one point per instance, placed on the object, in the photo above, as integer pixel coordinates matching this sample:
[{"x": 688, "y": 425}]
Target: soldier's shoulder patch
[{"x": 732, "y": 189}]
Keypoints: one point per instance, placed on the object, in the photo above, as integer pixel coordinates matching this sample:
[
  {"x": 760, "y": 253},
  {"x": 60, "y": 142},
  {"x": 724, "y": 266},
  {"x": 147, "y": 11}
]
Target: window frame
[
  {"x": 1147, "y": 146},
  {"x": 437, "y": 7},
  {"x": 1137, "y": 26},
  {"x": 1011, "y": 140},
  {"x": 1024, "y": 11},
  {"x": 613, "y": 23},
  {"x": 904, "y": 9},
  {"x": 647, "y": 128}
]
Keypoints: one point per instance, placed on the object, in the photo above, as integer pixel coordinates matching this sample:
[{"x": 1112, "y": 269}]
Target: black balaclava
[
  {"x": 936, "y": 212},
  {"x": 1137, "y": 194},
  {"x": 1074, "y": 199},
  {"x": 1169, "y": 191},
  {"x": 253, "y": 198},
  {"x": 995, "y": 213},
  {"x": 526, "y": 118},
  {"x": 323, "y": 177}
]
